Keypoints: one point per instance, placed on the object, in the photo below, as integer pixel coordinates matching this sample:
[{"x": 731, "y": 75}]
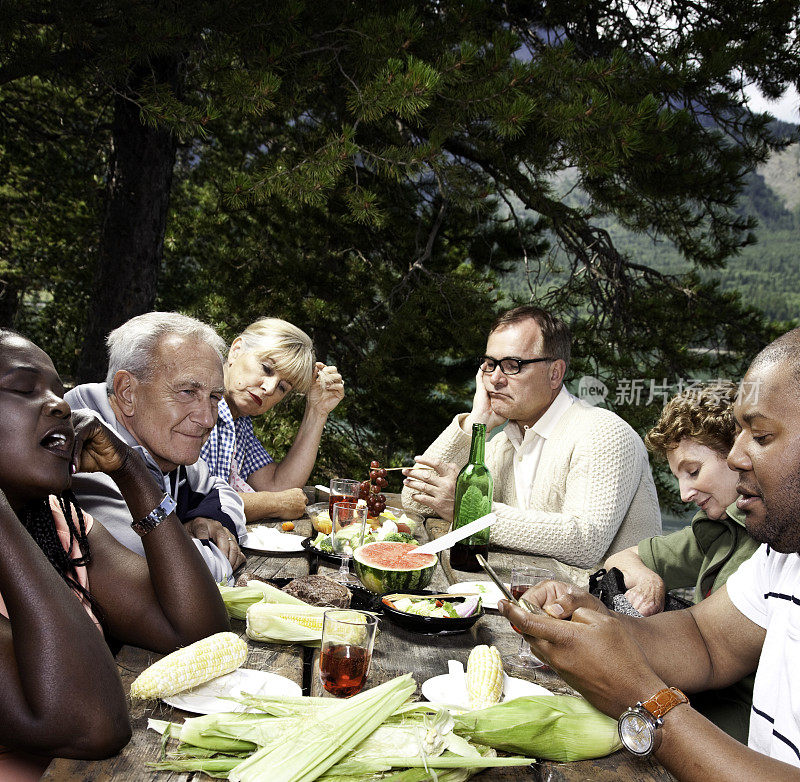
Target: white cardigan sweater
[{"x": 592, "y": 494}]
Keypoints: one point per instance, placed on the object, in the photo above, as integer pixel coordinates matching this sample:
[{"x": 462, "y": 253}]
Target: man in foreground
[
  {"x": 161, "y": 393},
  {"x": 752, "y": 623},
  {"x": 571, "y": 481}
]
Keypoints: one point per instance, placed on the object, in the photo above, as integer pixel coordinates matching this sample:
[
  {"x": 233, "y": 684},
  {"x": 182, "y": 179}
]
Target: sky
[{"x": 786, "y": 109}]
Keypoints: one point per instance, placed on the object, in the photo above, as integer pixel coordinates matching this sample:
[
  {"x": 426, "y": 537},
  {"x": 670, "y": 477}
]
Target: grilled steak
[{"x": 319, "y": 591}]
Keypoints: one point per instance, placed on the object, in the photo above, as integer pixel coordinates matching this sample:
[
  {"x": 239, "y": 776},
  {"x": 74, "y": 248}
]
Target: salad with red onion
[{"x": 437, "y": 607}]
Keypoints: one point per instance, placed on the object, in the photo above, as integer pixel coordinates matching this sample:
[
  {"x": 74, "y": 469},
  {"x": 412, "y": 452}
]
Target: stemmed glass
[
  {"x": 347, "y": 534},
  {"x": 342, "y": 490},
  {"x": 522, "y": 579}
]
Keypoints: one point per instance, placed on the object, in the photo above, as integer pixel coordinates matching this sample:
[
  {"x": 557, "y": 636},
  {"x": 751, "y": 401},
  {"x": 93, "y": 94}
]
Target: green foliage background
[{"x": 375, "y": 172}]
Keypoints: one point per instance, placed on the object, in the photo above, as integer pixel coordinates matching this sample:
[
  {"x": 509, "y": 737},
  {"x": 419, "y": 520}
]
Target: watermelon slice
[{"x": 393, "y": 566}]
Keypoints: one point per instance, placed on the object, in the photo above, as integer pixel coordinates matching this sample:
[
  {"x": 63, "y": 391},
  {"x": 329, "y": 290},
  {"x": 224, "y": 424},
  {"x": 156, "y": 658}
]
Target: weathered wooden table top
[{"x": 396, "y": 651}]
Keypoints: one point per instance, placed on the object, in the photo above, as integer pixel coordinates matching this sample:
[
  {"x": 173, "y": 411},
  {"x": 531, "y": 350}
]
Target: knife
[
  {"x": 446, "y": 541},
  {"x": 522, "y": 602}
]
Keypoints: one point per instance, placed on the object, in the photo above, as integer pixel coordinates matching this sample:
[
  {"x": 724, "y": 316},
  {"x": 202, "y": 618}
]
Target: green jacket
[{"x": 704, "y": 556}]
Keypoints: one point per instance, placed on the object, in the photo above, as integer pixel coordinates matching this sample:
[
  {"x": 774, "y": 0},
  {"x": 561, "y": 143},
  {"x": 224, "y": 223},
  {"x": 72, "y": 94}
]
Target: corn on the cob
[
  {"x": 194, "y": 664},
  {"x": 556, "y": 727},
  {"x": 484, "y": 676},
  {"x": 277, "y": 623}
]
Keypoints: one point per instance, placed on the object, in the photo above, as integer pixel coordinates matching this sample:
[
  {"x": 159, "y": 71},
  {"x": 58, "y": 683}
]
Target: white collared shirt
[{"x": 529, "y": 443}]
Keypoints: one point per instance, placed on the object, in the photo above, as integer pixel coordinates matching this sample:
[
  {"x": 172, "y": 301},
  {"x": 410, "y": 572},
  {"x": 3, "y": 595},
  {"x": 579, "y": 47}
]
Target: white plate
[
  {"x": 451, "y": 691},
  {"x": 271, "y": 540},
  {"x": 489, "y": 592},
  {"x": 206, "y": 699}
]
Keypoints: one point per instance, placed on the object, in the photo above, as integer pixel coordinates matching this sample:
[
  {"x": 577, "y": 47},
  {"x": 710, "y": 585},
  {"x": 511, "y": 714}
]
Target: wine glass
[
  {"x": 522, "y": 579},
  {"x": 342, "y": 490},
  {"x": 348, "y": 520},
  {"x": 347, "y": 640}
]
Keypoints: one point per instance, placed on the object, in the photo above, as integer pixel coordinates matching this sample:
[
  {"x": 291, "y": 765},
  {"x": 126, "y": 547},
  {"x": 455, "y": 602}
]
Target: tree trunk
[
  {"x": 10, "y": 292},
  {"x": 132, "y": 238}
]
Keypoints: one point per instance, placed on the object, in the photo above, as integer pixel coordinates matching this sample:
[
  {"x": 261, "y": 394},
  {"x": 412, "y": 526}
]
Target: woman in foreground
[
  {"x": 266, "y": 362},
  {"x": 694, "y": 435},
  {"x": 67, "y": 586}
]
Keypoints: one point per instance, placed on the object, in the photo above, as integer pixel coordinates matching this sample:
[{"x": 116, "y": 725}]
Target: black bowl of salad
[{"x": 416, "y": 610}]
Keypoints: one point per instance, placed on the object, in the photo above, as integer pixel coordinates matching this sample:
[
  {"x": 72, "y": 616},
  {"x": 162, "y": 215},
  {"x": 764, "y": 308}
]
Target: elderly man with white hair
[{"x": 162, "y": 389}]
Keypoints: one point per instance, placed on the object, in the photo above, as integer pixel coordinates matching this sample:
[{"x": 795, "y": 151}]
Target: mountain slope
[{"x": 767, "y": 273}]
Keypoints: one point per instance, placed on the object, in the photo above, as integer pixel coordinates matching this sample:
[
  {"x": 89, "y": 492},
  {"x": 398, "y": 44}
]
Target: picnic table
[{"x": 397, "y": 651}]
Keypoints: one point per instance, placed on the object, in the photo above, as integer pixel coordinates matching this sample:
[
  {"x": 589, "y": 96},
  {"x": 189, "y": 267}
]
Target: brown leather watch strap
[{"x": 664, "y": 700}]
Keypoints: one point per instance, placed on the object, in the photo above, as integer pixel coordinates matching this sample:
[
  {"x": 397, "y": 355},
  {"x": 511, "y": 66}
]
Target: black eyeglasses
[{"x": 508, "y": 366}]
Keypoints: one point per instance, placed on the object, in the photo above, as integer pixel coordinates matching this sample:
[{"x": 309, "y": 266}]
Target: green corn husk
[
  {"x": 226, "y": 732},
  {"x": 384, "y": 732},
  {"x": 555, "y": 727},
  {"x": 186, "y": 751},
  {"x": 348, "y": 771},
  {"x": 442, "y": 775},
  {"x": 238, "y": 599},
  {"x": 283, "y": 705},
  {"x": 219, "y": 768},
  {"x": 202, "y": 732},
  {"x": 457, "y": 761},
  {"x": 328, "y": 739},
  {"x": 445, "y": 768}
]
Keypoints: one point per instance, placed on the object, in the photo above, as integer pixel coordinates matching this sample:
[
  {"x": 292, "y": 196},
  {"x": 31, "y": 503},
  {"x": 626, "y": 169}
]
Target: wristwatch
[
  {"x": 155, "y": 517},
  {"x": 640, "y": 727}
]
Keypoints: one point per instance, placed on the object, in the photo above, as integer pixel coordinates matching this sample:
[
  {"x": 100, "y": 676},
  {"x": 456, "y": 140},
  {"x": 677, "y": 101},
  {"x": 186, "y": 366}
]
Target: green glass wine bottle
[{"x": 473, "y": 499}]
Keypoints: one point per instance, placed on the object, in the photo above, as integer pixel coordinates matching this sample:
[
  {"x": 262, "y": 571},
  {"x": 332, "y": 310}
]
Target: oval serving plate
[{"x": 429, "y": 625}]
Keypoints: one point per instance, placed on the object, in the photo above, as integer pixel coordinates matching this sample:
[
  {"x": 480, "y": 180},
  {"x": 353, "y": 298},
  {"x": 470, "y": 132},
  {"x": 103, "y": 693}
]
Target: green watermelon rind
[{"x": 381, "y": 580}]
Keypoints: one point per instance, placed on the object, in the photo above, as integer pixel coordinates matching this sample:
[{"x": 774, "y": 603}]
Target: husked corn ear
[
  {"x": 278, "y": 623},
  {"x": 311, "y": 622},
  {"x": 194, "y": 664},
  {"x": 484, "y": 676}
]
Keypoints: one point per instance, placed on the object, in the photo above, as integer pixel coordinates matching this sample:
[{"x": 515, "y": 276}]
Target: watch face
[{"x": 636, "y": 733}]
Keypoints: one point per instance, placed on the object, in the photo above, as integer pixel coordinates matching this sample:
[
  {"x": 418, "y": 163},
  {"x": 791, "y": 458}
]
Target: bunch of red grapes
[{"x": 371, "y": 490}]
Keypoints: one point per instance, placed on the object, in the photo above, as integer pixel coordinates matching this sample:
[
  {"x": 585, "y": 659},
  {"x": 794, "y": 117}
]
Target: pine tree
[{"x": 361, "y": 168}]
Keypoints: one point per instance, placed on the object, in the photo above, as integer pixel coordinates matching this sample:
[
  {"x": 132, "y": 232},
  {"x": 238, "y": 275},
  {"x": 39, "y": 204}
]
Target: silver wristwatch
[
  {"x": 155, "y": 517},
  {"x": 640, "y": 726}
]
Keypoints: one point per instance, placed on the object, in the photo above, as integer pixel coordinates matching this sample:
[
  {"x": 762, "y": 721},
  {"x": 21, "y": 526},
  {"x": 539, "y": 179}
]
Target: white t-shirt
[{"x": 766, "y": 589}]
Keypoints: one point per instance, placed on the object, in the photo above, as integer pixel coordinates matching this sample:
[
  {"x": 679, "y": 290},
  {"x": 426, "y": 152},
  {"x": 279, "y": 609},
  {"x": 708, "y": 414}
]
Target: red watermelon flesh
[{"x": 391, "y": 566}]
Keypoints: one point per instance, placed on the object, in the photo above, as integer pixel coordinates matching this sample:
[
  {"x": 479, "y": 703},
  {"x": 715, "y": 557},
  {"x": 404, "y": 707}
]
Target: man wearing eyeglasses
[{"x": 571, "y": 481}]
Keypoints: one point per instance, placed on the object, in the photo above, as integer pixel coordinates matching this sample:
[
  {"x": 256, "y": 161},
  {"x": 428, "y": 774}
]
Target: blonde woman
[{"x": 268, "y": 361}]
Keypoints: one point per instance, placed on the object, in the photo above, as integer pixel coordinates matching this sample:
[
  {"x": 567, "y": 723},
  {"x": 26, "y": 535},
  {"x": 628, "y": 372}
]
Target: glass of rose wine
[
  {"x": 522, "y": 579},
  {"x": 348, "y": 523},
  {"x": 342, "y": 490},
  {"x": 347, "y": 640}
]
